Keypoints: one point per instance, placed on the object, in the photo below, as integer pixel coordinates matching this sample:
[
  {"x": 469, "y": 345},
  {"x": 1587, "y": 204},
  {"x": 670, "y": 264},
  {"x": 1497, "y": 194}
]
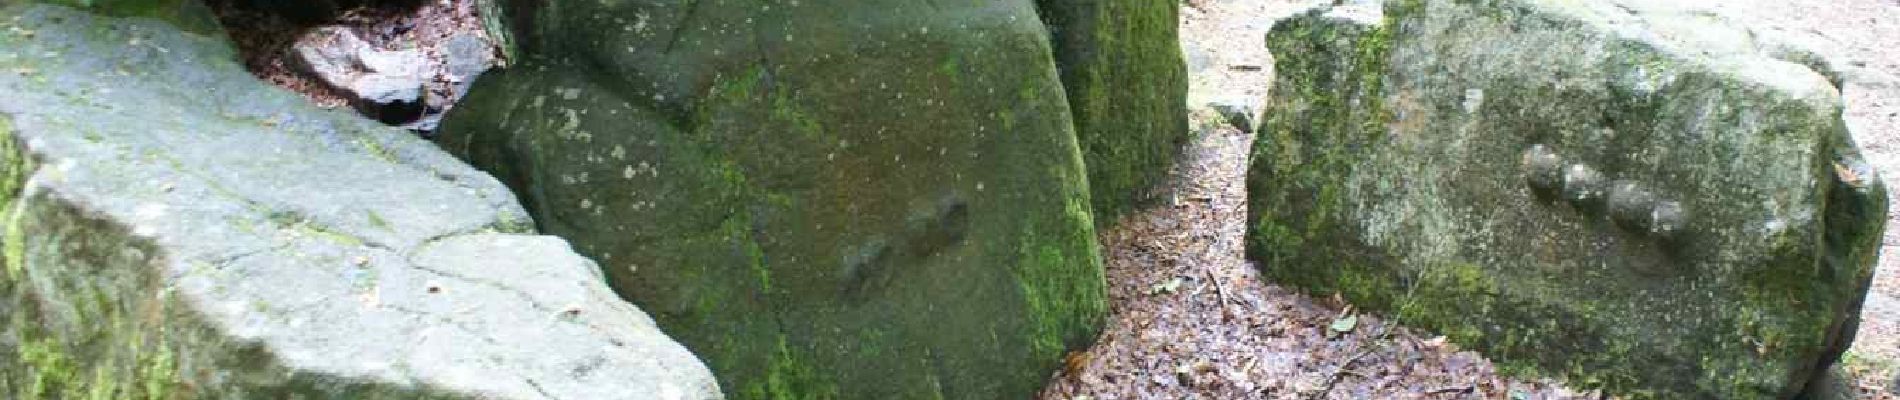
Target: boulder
[
  {"x": 1127, "y": 85},
  {"x": 171, "y": 227},
  {"x": 822, "y": 199},
  {"x": 188, "y": 15},
  {"x": 1625, "y": 194}
]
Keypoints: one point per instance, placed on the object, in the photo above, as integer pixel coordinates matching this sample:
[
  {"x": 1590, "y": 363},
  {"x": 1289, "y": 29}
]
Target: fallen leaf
[
  {"x": 1166, "y": 287},
  {"x": 1345, "y": 324},
  {"x": 1846, "y": 174}
]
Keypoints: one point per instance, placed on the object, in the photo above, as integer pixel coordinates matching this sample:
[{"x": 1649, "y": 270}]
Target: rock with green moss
[
  {"x": 1127, "y": 87},
  {"x": 172, "y": 228},
  {"x": 189, "y": 15},
  {"x": 1624, "y": 195},
  {"x": 822, "y": 199}
]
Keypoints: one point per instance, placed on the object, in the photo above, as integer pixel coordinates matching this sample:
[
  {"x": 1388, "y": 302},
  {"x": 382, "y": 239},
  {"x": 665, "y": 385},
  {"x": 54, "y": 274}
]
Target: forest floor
[{"x": 1191, "y": 318}]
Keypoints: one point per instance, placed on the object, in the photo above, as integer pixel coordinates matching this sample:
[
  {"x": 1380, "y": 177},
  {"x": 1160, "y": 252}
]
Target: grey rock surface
[
  {"x": 467, "y": 56},
  {"x": 1628, "y": 194},
  {"x": 1242, "y": 112},
  {"x": 373, "y": 76},
  {"x": 174, "y": 228}
]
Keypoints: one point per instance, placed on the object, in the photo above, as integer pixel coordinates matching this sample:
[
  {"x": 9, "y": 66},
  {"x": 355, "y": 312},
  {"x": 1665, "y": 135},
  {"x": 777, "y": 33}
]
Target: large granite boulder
[
  {"x": 1631, "y": 196},
  {"x": 1127, "y": 88},
  {"x": 174, "y": 228},
  {"x": 822, "y": 199}
]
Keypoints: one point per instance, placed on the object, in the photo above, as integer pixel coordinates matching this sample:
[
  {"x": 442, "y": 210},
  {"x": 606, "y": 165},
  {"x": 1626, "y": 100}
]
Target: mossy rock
[
  {"x": 1619, "y": 194},
  {"x": 189, "y": 15},
  {"x": 173, "y": 228},
  {"x": 821, "y": 199},
  {"x": 1127, "y": 87}
]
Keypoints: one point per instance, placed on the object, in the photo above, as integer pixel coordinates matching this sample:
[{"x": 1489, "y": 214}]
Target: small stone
[
  {"x": 1543, "y": 168},
  {"x": 1667, "y": 219},
  {"x": 387, "y": 85},
  {"x": 1631, "y": 205},
  {"x": 1583, "y": 185},
  {"x": 467, "y": 56},
  {"x": 1239, "y": 111}
]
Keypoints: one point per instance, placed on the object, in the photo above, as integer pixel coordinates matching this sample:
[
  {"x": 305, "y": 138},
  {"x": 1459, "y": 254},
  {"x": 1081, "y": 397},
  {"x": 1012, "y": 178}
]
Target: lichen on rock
[
  {"x": 174, "y": 228},
  {"x": 823, "y": 199},
  {"x": 1610, "y": 192}
]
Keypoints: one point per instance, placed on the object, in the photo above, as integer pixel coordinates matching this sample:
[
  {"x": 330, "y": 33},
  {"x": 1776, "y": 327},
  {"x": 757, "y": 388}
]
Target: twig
[
  {"x": 1339, "y": 373},
  {"x": 1221, "y": 291},
  {"x": 1451, "y": 389},
  {"x": 1377, "y": 341}
]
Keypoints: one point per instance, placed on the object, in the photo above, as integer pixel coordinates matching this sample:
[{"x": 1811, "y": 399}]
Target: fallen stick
[{"x": 1221, "y": 292}]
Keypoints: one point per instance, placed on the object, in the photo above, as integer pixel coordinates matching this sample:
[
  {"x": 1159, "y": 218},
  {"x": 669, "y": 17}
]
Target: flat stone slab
[{"x": 174, "y": 228}]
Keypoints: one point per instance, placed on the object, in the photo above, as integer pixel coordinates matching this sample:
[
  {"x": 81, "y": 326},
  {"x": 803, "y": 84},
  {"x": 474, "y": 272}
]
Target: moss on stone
[
  {"x": 1126, "y": 83},
  {"x": 1389, "y": 163},
  {"x": 189, "y": 15},
  {"x": 898, "y": 190}
]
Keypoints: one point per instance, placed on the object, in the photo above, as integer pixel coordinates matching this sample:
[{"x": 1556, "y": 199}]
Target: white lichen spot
[
  {"x": 573, "y": 121},
  {"x": 627, "y": 173},
  {"x": 1474, "y": 98},
  {"x": 618, "y": 153}
]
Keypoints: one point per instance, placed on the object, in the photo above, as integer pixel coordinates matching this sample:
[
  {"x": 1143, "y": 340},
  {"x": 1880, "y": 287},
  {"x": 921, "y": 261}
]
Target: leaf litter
[{"x": 1190, "y": 318}]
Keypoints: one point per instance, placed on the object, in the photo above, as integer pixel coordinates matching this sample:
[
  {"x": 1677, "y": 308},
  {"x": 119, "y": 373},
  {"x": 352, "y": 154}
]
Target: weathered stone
[
  {"x": 171, "y": 227},
  {"x": 865, "y": 199},
  {"x": 384, "y": 84},
  {"x": 1238, "y": 111},
  {"x": 1127, "y": 88},
  {"x": 189, "y": 15},
  {"x": 466, "y": 56},
  {"x": 1627, "y": 195}
]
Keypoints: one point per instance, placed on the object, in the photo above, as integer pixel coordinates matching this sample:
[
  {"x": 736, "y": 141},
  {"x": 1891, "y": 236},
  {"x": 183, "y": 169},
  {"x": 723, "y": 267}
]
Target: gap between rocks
[
  {"x": 401, "y": 62},
  {"x": 1191, "y": 318}
]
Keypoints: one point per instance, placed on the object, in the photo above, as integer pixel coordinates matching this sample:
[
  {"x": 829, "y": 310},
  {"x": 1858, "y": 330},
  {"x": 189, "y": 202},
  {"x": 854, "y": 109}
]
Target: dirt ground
[{"x": 1190, "y": 318}]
